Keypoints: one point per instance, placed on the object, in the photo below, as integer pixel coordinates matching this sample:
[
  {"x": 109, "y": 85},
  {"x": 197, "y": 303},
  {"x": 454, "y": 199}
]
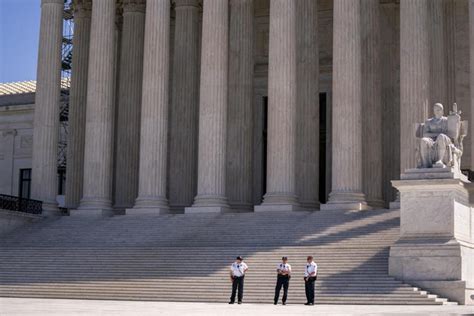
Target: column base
[
  {"x": 346, "y": 201},
  {"x": 147, "y": 211},
  {"x": 150, "y": 205},
  {"x": 279, "y": 202},
  {"x": 267, "y": 207},
  {"x": 206, "y": 209},
  {"x": 209, "y": 204},
  {"x": 94, "y": 203},
  {"x": 92, "y": 212}
]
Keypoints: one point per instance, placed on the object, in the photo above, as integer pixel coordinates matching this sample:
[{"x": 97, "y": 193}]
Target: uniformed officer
[
  {"x": 237, "y": 275},
  {"x": 283, "y": 279},
  {"x": 310, "y": 276}
]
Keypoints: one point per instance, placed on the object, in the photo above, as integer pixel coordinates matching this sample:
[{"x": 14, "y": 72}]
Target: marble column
[
  {"x": 239, "y": 119},
  {"x": 450, "y": 50},
  {"x": 154, "y": 114},
  {"x": 46, "y": 118},
  {"x": 281, "y": 152},
  {"x": 438, "y": 71},
  {"x": 98, "y": 158},
  {"x": 185, "y": 106},
  {"x": 414, "y": 75},
  {"x": 129, "y": 104},
  {"x": 77, "y": 103},
  {"x": 372, "y": 102},
  {"x": 347, "y": 109},
  {"x": 211, "y": 195},
  {"x": 307, "y": 140}
]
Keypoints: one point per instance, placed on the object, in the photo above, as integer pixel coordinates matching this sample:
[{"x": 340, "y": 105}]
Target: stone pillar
[
  {"x": 213, "y": 109},
  {"x": 129, "y": 104},
  {"x": 450, "y": 50},
  {"x": 77, "y": 103},
  {"x": 414, "y": 75},
  {"x": 98, "y": 156},
  {"x": 154, "y": 114},
  {"x": 185, "y": 106},
  {"x": 372, "y": 103},
  {"x": 347, "y": 112},
  {"x": 46, "y": 119},
  {"x": 239, "y": 139},
  {"x": 281, "y": 160},
  {"x": 307, "y": 139},
  {"x": 438, "y": 71}
]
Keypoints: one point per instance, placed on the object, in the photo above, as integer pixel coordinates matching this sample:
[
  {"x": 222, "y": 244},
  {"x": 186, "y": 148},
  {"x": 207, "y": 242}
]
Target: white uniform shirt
[
  {"x": 284, "y": 267},
  {"x": 238, "y": 269},
  {"x": 310, "y": 268}
]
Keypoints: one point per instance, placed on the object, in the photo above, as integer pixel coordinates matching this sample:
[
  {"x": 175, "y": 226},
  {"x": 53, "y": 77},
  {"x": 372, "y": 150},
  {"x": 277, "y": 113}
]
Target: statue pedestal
[{"x": 436, "y": 246}]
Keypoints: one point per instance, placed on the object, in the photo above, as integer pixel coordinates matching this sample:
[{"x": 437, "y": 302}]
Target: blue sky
[{"x": 19, "y": 34}]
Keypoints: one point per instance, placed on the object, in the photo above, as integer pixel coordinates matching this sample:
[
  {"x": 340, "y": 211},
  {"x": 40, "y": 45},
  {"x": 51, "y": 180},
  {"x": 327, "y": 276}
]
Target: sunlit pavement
[{"x": 26, "y": 306}]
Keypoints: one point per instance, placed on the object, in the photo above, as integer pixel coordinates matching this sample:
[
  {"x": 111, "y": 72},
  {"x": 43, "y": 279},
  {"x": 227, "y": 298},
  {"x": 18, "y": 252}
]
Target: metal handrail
[{"x": 19, "y": 204}]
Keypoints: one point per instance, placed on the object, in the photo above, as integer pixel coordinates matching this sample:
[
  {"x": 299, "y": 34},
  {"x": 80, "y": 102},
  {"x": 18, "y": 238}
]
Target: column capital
[
  {"x": 186, "y": 3},
  {"x": 133, "y": 6},
  {"x": 82, "y": 8}
]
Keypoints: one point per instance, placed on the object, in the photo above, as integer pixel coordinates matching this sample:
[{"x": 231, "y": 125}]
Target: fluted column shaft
[
  {"x": 154, "y": 114},
  {"x": 213, "y": 109},
  {"x": 347, "y": 124},
  {"x": 100, "y": 109},
  {"x": 47, "y": 100},
  {"x": 307, "y": 154},
  {"x": 438, "y": 66},
  {"x": 239, "y": 138},
  {"x": 185, "y": 105},
  {"x": 281, "y": 160},
  {"x": 77, "y": 103},
  {"x": 414, "y": 75},
  {"x": 372, "y": 102},
  {"x": 450, "y": 49},
  {"x": 129, "y": 104}
]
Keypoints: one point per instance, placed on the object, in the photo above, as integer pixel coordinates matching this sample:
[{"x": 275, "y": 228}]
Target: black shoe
[
  {"x": 307, "y": 304},
  {"x": 239, "y": 303},
  {"x": 284, "y": 303},
  {"x": 231, "y": 302},
  {"x": 275, "y": 303}
]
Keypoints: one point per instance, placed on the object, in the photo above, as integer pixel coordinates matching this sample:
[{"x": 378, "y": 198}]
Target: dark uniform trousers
[
  {"x": 309, "y": 289},
  {"x": 237, "y": 283},
  {"x": 282, "y": 280}
]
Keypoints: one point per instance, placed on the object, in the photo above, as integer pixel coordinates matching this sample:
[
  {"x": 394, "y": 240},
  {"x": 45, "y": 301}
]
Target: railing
[{"x": 15, "y": 203}]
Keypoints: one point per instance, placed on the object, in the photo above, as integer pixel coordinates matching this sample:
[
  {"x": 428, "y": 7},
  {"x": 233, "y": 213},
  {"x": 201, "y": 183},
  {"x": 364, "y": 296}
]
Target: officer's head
[
  {"x": 239, "y": 259},
  {"x": 309, "y": 259},
  {"x": 284, "y": 259}
]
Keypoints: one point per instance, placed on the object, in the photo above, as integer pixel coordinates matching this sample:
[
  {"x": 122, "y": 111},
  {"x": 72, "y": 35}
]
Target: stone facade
[{"x": 159, "y": 141}]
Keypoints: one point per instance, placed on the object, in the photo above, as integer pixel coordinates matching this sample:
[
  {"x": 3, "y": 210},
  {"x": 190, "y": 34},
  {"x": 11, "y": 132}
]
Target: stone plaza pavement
[{"x": 26, "y": 306}]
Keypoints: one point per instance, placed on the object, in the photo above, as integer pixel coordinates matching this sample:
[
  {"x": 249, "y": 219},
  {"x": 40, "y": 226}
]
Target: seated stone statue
[{"x": 440, "y": 145}]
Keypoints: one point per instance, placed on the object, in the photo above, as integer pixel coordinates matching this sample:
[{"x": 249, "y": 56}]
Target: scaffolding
[{"x": 68, "y": 30}]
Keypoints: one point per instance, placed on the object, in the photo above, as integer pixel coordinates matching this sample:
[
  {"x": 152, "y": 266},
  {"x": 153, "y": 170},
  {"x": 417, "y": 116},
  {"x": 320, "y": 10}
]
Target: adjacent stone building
[{"x": 238, "y": 105}]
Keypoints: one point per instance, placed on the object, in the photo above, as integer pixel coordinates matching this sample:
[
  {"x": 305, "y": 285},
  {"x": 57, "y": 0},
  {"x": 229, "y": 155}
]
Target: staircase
[{"x": 186, "y": 257}]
